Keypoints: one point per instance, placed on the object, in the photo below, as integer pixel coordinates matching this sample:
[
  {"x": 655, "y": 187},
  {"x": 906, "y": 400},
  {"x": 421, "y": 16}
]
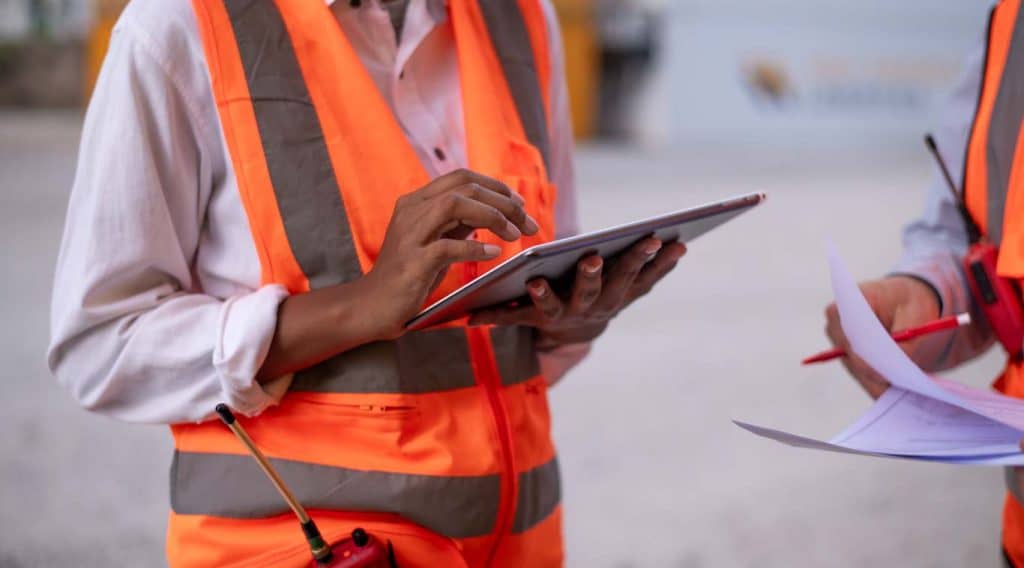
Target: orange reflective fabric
[
  {"x": 373, "y": 162},
  {"x": 1011, "y": 252},
  {"x": 1004, "y": 17},
  {"x": 231, "y": 93},
  {"x": 489, "y": 429},
  {"x": 486, "y": 369},
  {"x": 1011, "y": 249},
  {"x": 539, "y": 546},
  {"x": 390, "y": 432},
  {"x": 498, "y": 147},
  {"x": 1011, "y": 257}
]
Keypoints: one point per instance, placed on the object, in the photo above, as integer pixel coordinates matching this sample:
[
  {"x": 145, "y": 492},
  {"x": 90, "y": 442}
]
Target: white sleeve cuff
[
  {"x": 246, "y": 329},
  {"x": 945, "y": 276}
]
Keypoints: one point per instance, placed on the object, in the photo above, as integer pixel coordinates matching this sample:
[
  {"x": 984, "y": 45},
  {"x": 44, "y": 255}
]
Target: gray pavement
[{"x": 655, "y": 474}]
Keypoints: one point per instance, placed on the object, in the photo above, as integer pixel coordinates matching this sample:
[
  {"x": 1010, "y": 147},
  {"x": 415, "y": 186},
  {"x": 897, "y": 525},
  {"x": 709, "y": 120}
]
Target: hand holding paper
[
  {"x": 899, "y": 302},
  {"x": 919, "y": 417}
]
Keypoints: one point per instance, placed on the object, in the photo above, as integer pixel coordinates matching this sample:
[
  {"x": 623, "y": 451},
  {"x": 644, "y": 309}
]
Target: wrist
[
  {"x": 353, "y": 307},
  {"x": 914, "y": 290},
  {"x": 920, "y": 288}
]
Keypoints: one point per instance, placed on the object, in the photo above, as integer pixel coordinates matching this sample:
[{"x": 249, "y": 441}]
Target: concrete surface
[{"x": 655, "y": 474}]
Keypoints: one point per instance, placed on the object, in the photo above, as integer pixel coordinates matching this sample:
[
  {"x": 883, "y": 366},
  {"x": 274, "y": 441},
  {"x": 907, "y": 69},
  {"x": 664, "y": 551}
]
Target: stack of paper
[{"x": 919, "y": 417}]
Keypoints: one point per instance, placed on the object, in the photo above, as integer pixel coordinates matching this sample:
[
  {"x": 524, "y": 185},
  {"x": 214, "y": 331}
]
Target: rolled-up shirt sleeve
[
  {"x": 132, "y": 335},
  {"x": 935, "y": 243}
]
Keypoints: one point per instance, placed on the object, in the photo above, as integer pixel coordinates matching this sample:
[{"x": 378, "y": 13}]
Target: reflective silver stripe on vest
[
  {"x": 1014, "y": 476},
  {"x": 419, "y": 363},
  {"x": 540, "y": 492},
  {"x": 515, "y": 354},
  {"x": 511, "y": 41},
  {"x": 305, "y": 186},
  {"x": 1004, "y": 129},
  {"x": 233, "y": 486}
]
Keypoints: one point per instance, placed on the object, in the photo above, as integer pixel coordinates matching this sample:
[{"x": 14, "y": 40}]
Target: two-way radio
[
  {"x": 360, "y": 550},
  {"x": 998, "y": 297}
]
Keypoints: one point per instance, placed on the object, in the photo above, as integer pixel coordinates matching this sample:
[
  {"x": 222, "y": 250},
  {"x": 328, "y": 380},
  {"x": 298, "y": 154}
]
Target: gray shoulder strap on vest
[
  {"x": 511, "y": 41},
  {"x": 305, "y": 186}
]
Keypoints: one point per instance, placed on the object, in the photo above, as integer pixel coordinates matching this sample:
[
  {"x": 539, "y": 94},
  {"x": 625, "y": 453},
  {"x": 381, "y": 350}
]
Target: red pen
[{"x": 951, "y": 322}]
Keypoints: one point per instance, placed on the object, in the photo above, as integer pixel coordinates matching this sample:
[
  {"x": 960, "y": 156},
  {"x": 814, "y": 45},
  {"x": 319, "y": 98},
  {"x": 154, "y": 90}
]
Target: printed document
[{"x": 919, "y": 417}]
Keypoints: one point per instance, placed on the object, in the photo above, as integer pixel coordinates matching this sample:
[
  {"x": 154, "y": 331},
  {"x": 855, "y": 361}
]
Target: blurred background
[{"x": 821, "y": 104}]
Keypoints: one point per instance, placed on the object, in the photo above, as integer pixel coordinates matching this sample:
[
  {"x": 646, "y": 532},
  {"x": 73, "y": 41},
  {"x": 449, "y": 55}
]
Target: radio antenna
[
  {"x": 973, "y": 232},
  {"x": 317, "y": 546}
]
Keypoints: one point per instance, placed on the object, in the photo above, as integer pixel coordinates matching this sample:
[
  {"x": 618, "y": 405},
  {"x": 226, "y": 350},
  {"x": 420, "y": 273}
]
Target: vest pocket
[
  {"x": 540, "y": 198},
  {"x": 525, "y": 173},
  {"x": 368, "y": 411}
]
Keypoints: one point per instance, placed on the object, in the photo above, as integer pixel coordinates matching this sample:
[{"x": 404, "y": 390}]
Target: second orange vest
[{"x": 994, "y": 191}]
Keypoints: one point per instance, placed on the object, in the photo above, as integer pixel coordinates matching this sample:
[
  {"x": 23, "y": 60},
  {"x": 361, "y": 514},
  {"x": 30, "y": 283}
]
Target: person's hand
[
  {"x": 596, "y": 297},
  {"x": 899, "y": 302},
  {"x": 428, "y": 233}
]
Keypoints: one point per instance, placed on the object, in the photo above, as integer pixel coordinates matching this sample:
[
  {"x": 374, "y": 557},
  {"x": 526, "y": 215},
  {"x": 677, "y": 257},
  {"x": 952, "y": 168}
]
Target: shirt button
[{"x": 440, "y": 154}]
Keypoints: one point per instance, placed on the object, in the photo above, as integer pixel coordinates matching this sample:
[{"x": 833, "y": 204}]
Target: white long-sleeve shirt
[{"x": 157, "y": 310}]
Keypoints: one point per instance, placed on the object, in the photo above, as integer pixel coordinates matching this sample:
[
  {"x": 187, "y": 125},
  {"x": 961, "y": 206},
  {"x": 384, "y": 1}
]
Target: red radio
[
  {"x": 998, "y": 297},
  {"x": 361, "y": 550}
]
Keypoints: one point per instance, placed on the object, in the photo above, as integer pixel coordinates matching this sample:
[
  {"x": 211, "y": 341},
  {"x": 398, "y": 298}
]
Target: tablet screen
[{"x": 557, "y": 260}]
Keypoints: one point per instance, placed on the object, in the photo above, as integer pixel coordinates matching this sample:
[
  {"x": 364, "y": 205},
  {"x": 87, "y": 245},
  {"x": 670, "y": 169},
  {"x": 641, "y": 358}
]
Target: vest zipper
[{"x": 486, "y": 370}]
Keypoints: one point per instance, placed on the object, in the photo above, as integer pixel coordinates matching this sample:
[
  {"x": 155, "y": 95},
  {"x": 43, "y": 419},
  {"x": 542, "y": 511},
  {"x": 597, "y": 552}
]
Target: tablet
[{"x": 556, "y": 261}]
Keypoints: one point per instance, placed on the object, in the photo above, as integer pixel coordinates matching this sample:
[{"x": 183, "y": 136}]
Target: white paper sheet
[
  {"x": 871, "y": 342},
  {"x": 796, "y": 441},
  {"x": 906, "y": 423},
  {"x": 920, "y": 417}
]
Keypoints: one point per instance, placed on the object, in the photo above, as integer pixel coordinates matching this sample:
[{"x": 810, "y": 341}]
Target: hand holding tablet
[
  {"x": 558, "y": 263},
  {"x": 599, "y": 292}
]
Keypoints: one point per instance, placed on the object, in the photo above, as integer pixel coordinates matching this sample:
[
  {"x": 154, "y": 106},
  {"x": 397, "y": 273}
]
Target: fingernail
[
  {"x": 530, "y": 225},
  {"x": 518, "y": 199},
  {"x": 492, "y": 250},
  {"x": 652, "y": 249},
  {"x": 592, "y": 268},
  {"x": 538, "y": 290},
  {"x": 513, "y": 229}
]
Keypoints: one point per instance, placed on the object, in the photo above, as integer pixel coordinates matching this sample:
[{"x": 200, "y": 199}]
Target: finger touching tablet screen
[{"x": 557, "y": 260}]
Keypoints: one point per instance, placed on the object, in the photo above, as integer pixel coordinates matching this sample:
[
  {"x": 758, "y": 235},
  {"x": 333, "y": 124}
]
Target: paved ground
[{"x": 655, "y": 474}]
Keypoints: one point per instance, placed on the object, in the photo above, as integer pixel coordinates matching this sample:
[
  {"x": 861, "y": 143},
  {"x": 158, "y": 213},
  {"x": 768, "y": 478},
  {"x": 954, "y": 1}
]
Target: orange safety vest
[
  {"x": 994, "y": 191},
  {"x": 438, "y": 441}
]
